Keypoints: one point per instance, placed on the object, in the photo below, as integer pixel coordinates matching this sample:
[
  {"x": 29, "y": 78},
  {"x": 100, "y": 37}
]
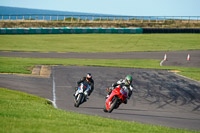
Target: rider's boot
[
  {"x": 126, "y": 101},
  {"x": 89, "y": 92},
  {"x": 109, "y": 90},
  {"x": 85, "y": 99}
]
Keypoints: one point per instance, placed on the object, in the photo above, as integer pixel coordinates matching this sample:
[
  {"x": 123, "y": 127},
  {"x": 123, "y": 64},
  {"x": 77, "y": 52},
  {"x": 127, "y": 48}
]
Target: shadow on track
[
  {"x": 94, "y": 108},
  {"x": 166, "y": 90}
]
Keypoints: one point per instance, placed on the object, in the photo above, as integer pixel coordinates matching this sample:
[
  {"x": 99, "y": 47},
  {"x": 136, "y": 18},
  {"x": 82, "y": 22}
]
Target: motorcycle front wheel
[
  {"x": 78, "y": 100},
  {"x": 104, "y": 109},
  {"x": 113, "y": 104}
]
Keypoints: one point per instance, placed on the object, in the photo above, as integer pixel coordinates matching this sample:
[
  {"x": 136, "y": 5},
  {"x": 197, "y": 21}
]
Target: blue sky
[{"x": 115, "y": 7}]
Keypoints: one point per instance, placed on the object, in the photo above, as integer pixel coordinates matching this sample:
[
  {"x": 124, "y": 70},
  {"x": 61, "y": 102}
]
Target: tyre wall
[
  {"x": 170, "y": 30},
  {"x": 67, "y": 30},
  {"x": 86, "y": 30}
]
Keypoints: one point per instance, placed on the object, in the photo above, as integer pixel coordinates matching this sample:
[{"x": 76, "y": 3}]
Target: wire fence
[
  {"x": 84, "y": 18},
  {"x": 141, "y": 21}
]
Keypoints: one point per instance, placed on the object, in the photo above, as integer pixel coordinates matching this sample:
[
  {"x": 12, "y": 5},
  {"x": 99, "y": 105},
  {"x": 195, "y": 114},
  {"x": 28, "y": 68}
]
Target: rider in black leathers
[{"x": 88, "y": 80}]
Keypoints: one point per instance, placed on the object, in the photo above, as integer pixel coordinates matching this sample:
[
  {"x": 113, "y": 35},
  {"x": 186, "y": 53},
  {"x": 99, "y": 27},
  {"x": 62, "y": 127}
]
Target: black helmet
[{"x": 89, "y": 76}]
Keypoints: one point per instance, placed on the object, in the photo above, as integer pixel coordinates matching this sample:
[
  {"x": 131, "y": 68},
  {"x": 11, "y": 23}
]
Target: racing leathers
[{"x": 85, "y": 80}]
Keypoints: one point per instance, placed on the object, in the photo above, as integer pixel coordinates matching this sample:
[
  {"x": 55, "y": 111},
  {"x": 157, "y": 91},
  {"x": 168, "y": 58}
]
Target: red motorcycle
[{"x": 118, "y": 96}]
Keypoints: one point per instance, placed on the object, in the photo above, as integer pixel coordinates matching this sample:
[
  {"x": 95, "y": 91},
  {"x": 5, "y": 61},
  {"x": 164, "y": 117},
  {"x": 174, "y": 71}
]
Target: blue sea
[
  {"x": 39, "y": 14},
  {"x": 26, "y": 11},
  {"x": 14, "y": 13}
]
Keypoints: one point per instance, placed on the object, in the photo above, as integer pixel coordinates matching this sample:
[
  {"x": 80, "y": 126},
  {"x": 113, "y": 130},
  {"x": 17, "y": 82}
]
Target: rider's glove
[{"x": 113, "y": 85}]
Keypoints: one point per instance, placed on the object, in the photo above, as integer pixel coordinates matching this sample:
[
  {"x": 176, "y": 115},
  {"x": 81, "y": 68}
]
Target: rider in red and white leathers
[{"x": 126, "y": 82}]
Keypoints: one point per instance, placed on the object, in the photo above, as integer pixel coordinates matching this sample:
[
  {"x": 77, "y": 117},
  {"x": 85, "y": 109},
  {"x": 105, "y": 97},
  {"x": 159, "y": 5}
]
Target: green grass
[
  {"x": 20, "y": 65},
  {"x": 100, "y": 42},
  {"x": 24, "y": 113},
  {"x": 20, "y": 112}
]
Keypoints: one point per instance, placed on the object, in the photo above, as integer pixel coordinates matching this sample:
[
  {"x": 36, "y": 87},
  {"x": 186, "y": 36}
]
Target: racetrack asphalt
[
  {"x": 159, "y": 97},
  {"x": 174, "y": 58}
]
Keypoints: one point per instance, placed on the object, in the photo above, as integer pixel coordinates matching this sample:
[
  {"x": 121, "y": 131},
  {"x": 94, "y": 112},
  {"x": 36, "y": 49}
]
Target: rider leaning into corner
[
  {"x": 126, "y": 82},
  {"x": 86, "y": 80}
]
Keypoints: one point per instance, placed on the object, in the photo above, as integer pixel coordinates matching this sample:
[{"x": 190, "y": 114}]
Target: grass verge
[
  {"x": 100, "y": 42},
  {"x": 24, "y": 113},
  {"x": 20, "y": 65}
]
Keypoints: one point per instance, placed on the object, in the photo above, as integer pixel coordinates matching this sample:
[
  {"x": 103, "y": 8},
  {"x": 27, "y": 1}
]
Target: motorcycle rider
[
  {"x": 126, "y": 82},
  {"x": 88, "y": 80}
]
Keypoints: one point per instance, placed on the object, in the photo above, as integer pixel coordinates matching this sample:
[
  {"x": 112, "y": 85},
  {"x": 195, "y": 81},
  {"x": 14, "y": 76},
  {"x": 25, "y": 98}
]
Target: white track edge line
[{"x": 54, "y": 93}]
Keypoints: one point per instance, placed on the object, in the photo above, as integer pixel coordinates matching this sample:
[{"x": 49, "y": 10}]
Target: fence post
[
  {"x": 181, "y": 20},
  {"x": 141, "y": 20},
  {"x": 189, "y": 20},
  {"x": 78, "y": 19},
  {"x": 71, "y": 19},
  {"x": 156, "y": 19}
]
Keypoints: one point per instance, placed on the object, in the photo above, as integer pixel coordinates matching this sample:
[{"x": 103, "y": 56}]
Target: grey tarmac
[
  {"x": 174, "y": 58},
  {"x": 159, "y": 97}
]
